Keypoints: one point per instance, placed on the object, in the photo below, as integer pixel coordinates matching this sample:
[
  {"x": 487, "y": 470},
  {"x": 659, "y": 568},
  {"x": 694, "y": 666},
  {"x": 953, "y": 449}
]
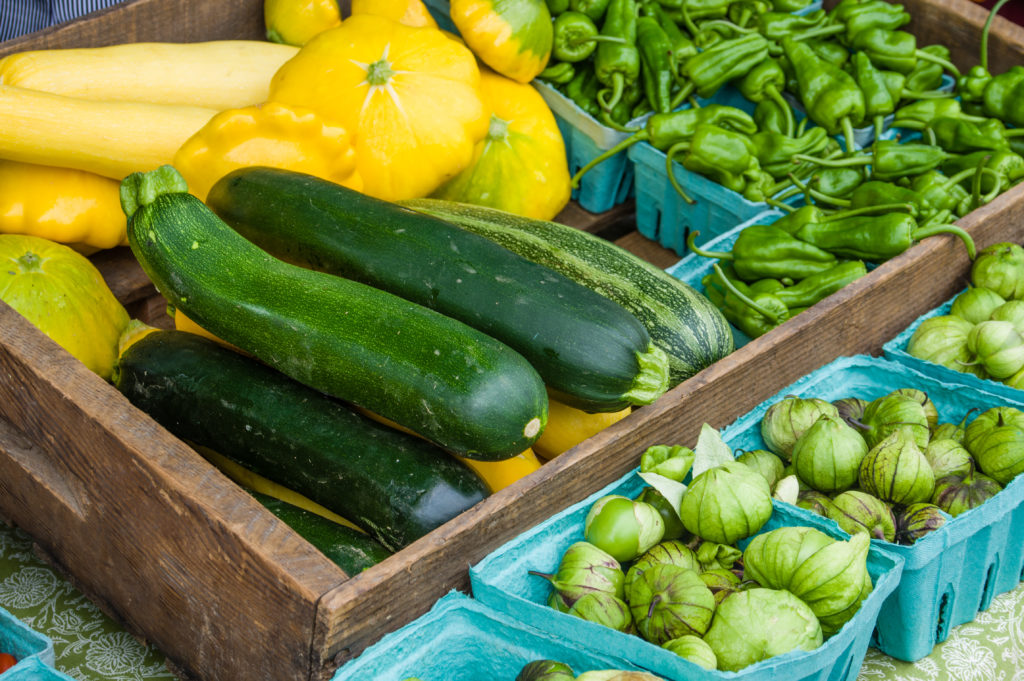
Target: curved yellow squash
[
  {"x": 520, "y": 166},
  {"x": 295, "y": 22},
  {"x": 64, "y": 295},
  {"x": 408, "y": 12},
  {"x": 513, "y": 37},
  {"x": 409, "y": 96},
  {"x": 568, "y": 426},
  {"x": 73, "y": 207}
]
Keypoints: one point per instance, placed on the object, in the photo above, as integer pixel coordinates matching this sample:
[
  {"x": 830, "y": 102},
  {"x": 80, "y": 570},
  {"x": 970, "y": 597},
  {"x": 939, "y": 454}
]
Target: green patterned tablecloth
[{"x": 90, "y": 646}]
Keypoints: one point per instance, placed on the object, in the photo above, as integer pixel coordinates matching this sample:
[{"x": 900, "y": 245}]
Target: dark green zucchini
[
  {"x": 351, "y": 550},
  {"x": 681, "y": 321},
  {"x": 434, "y": 375},
  {"x": 591, "y": 352},
  {"x": 395, "y": 486}
]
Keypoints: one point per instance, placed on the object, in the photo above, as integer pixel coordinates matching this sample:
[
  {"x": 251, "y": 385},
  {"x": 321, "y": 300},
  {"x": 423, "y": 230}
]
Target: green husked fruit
[
  {"x": 396, "y": 486},
  {"x": 592, "y": 353},
  {"x": 681, "y": 321},
  {"x": 434, "y": 375}
]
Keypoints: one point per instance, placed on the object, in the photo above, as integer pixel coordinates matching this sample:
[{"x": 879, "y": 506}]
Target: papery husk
[
  {"x": 976, "y": 304},
  {"x": 892, "y": 412},
  {"x": 957, "y": 494},
  {"x": 764, "y": 462},
  {"x": 694, "y": 649},
  {"x": 672, "y": 552},
  {"x": 943, "y": 341},
  {"x": 917, "y": 520},
  {"x": 896, "y": 470},
  {"x": 1001, "y": 454},
  {"x": 584, "y": 568},
  {"x": 998, "y": 347},
  {"x": 947, "y": 456},
  {"x": 989, "y": 419},
  {"x": 856, "y": 511},
  {"x": 545, "y": 670},
  {"x": 771, "y": 558},
  {"x": 604, "y": 609},
  {"x": 827, "y": 456},
  {"x": 667, "y": 602},
  {"x": 757, "y": 624},
  {"x": 787, "y": 419},
  {"x": 930, "y": 411},
  {"x": 1000, "y": 267},
  {"x": 832, "y": 581},
  {"x": 726, "y": 503}
]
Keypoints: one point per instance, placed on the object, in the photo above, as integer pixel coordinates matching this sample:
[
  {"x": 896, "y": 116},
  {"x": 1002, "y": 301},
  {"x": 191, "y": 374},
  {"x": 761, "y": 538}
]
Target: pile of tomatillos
[
  {"x": 983, "y": 334},
  {"x": 668, "y": 566},
  {"x": 888, "y": 467}
]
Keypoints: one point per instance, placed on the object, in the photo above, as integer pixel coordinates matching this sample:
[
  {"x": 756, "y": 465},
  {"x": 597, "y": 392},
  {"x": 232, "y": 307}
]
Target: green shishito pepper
[
  {"x": 962, "y": 136},
  {"x": 576, "y": 37},
  {"x": 861, "y": 16},
  {"x": 1008, "y": 168},
  {"x": 819, "y": 286},
  {"x": 755, "y": 313},
  {"x": 582, "y": 90},
  {"x": 558, "y": 73},
  {"x": 725, "y": 61},
  {"x": 681, "y": 45},
  {"x": 793, "y": 222},
  {"x": 777, "y": 25},
  {"x": 879, "y": 100},
  {"x": 766, "y": 81},
  {"x": 657, "y": 70},
  {"x": 790, "y": 5},
  {"x": 1003, "y": 96},
  {"x": 875, "y": 238},
  {"x": 617, "y": 64},
  {"x": 940, "y": 192},
  {"x": 890, "y": 159},
  {"x": 916, "y": 115},
  {"x": 776, "y": 150},
  {"x": 829, "y": 94},
  {"x": 594, "y": 9},
  {"x": 927, "y": 75},
  {"x": 767, "y": 252},
  {"x": 663, "y": 130},
  {"x": 896, "y": 50},
  {"x": 727, "y": 157}
]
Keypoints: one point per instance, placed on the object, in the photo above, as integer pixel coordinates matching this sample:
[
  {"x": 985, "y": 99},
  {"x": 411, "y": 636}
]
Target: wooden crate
[{"x": 163, "y": 540}]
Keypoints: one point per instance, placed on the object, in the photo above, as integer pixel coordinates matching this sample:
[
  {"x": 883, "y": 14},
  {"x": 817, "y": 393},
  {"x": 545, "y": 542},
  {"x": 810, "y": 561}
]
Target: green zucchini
[
  {"x": 436, "y": 376},
  {"x": 351, "y": 550},
  {"x": 590, "y": 351},
  {"x": 681, "y": 321},
  {"x": 395, "y": 486}
]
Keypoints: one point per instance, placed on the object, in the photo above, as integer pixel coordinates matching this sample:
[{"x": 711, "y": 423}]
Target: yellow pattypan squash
[
  {"x": 271, "y": 134},
  {"x": 513, "y": 37},
  {"x": 408, "y": 12},
  {"x": 294, "y": 22},
  {"x": 520, "y": 166},
  {"x": 64, "y": 295},
  {"x": 568, "y": 426},
  {"x": 73, "y": 207},
  {"x": 409, "y": 96}
]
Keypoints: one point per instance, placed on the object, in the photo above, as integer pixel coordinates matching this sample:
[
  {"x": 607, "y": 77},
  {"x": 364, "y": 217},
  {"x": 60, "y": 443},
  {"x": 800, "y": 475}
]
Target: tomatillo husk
[
  {"x": 670, "y": 461},
  {"x": 931, "y": 412},
  {"x": 850, "y": 408},
  {"x": 671, "y": 552},
  {"x": 604, "y": 609},
  {"x": 787, "y": 419},
  {"x": 895, "y": 412},
  {"x": 669, "y": 516},
  {"x": 545, "y": 670},
  {"x": 617, "y": 675},
  {"x": 956, "y": 494},
  {"x": 1011, "y": 311},
  {"x": 668, "y": 601},
  {"x": 764, "y": 462},
  {"x": 828, "y": 455},
  {"x": 896, "y": 470},
  {"x": 989, "y": 419},
  {"x": 813, "y": 500},
  {"x": 943, "y": 341},
  {"x": 917, "y": 520},
  {"x": 757, "y": 624},
  {"x": 947, "y": 457},
  {"x": 856, "y": 511},
  {"x": 1000, "y": 267},
  {"x": 726, "y": 503},
  {"x": 1000, "y": 454},
  {"x": 585, "y": 568},
  {"x": 976, "y": 304},
  {"x": 998, "y": 347},
  {"x": 694, "y": 649}
]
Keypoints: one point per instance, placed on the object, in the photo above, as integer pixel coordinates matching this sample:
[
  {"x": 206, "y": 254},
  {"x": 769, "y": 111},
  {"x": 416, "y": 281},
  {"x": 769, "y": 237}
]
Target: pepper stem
[
  {"x": 725, "y": 24},
  {"x": 820, "y": 196},
  {"x": 847, "y": 162},
  {"x": 821, "y": 31},
  {"x": 935, "y": 59},
  {"x": 976, "y": 182},
  {"x": 985, "y": 31},
  {"x": 598, "y": 39},
  {"x": 871, "y": 210},
  {"x": 624, "y": 144},
  {"x": 932, "y": 230},
  {"x": 925, "y": 94},
  {"x": 669, "y": 157},
  {"x": 908, "y": 123},
  {"x": 848, "y": 135},
  {"x": 618, "y": 86},
  {"x": 685, "y": 91},
  {"x": 879, "y": 125},
  {"x": 691, "y": 243},
  {"x": 743, "y": 298},
  {"x": 787, "y": 111}
]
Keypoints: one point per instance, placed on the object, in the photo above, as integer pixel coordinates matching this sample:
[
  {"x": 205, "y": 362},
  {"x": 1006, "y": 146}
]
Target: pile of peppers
[{"x": 653, "y": 68}]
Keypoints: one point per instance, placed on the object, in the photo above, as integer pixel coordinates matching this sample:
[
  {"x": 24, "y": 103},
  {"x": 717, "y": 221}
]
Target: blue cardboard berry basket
[
  {"x": 502, "y": 581},
  {"x": 459, "y": 637},
  {"x": 24, "y": 643},
  {"x": 952, "y": 573},
  {"x": 692, "y": 267},
  {"x": 896, "y": 350}
]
